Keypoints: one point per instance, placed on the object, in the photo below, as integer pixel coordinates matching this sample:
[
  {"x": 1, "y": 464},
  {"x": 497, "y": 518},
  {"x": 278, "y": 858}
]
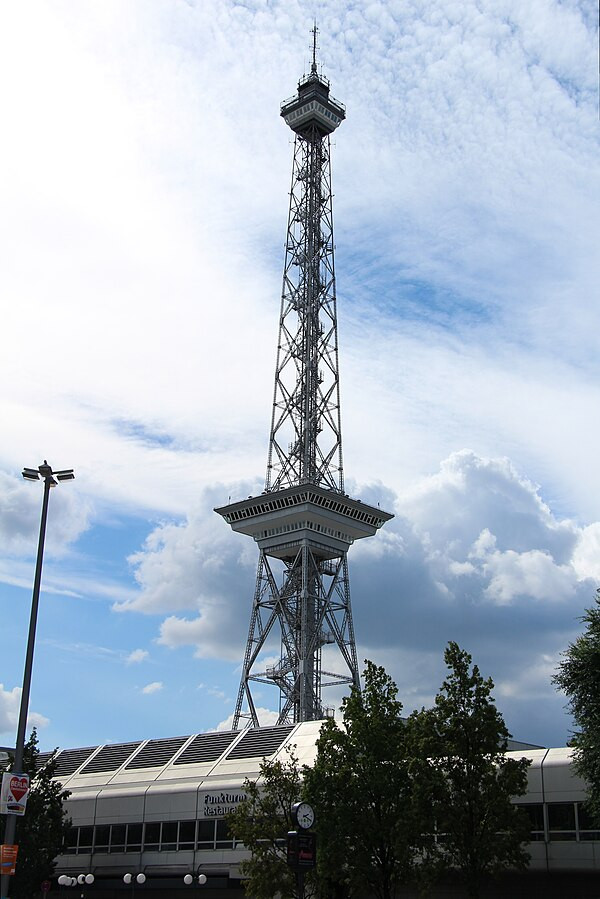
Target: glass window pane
[
  {"x": 134, "y": 837},
  {"x": 224, "y": 838},
  {"x": 151, "y": 835},
  {"x": 206, "y": 834},
  {"x": 535, "y": 814},
  {"x": 187, "y": 834},
  {"x": 117, "y": 837},
  {"x": 589, "y": 827},
  {"x": 168, "y": 840},
  {"x": 71, "y": 839},
  {"x": 86, "y": 835},
  {"x": 561, "y": 816},
  {"x": 101, "y": 837},
  {"x": 586, "y": 820}
]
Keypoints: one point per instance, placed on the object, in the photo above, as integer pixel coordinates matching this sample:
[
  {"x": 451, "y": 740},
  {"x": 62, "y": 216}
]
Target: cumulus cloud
[
  {"x": 136, "y": 656},
  {"x": 9, "y": 713},
  {"x": 474, "y": 554},
  {"x": 20, "y": 509},
  {"x": 266, "y": 718},
  {"x": 154, "y": 687},
  {"x": 198, "y": 565}
]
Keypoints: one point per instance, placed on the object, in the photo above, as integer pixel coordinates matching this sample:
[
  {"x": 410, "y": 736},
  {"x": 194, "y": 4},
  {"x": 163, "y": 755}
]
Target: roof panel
[
  {"x": 206, "y": 747},
  {"x": 69, "y": 760},
  {"x": 111, "y": 757},
  {"x": 260, "y": 741},
  {"x": 156, "y": 753}
]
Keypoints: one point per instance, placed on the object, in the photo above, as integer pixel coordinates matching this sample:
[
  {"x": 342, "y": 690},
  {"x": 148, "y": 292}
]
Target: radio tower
[{"x": 303, "y": 522}]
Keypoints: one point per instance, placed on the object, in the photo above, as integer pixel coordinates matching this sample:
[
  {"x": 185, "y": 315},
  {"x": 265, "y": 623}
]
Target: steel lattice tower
[{"x": 304, "y": 523}]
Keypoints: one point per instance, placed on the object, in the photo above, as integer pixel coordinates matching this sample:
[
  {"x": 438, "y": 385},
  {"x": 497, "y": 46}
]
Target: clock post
[{"x": 302, "y": 843}]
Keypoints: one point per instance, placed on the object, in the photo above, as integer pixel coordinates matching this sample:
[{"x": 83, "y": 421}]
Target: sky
[{"x": 144, "y": 191}]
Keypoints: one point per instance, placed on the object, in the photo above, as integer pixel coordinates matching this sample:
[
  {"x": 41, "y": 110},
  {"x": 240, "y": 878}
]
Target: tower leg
[{"x": 310, "y": 610}]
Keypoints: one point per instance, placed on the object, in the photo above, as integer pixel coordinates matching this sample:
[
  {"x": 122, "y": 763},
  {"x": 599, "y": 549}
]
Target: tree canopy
[
  {"x": 262, "y": 822},
  {"x": 459, "y": 760},
  {"x": 397, "y": 801},
  {"x": 579, "y": 677},
  {"x": 41, "y": 831},
  {"x": 368, "y": 826}
]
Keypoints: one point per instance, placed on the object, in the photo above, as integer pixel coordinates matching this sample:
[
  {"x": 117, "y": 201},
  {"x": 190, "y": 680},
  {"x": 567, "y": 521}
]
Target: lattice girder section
[
  {"x": 310, "y": 610},
  {"x": 305, "y": 442}
]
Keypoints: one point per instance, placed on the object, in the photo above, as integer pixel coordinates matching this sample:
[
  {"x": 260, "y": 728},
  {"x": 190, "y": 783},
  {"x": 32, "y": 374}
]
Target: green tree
[
  {"x": 360, "y": 785},
  {"x": 459, "y": 747},
  {"x": 262, "y": 822},
  {"x": 579, "y": 677},
  {"x": 41, "y": 831}
]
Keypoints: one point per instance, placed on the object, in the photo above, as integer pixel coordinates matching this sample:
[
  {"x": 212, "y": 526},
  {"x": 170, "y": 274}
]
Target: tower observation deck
[{"x": 303, "y": 522}]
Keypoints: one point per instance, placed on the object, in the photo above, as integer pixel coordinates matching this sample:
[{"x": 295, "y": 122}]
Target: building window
[
  {"x": 588, "y": 828},
  {"x": 206, "y": 834},
  {"x": 168, "y": 838},
  {"x": 134, "y": 838},
  {"x": 86, "y": 835},
  {"x": 535, "y": 814},
  {"x": 187, "y": 835},
  {"x": 70, "y": 844},
  {"x": 224, "y": 838},
  {"x": 561, "y": 821},
  {"x": 117, "y": 837},
  {"x": 152, "y": 836}
]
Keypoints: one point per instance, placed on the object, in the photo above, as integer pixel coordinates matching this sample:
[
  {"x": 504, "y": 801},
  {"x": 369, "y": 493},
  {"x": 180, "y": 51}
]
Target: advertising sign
[
  {"x": 15, "y": 790},
  {"x": 8, "y": 858},
  {"x": 301, "y": 850}
]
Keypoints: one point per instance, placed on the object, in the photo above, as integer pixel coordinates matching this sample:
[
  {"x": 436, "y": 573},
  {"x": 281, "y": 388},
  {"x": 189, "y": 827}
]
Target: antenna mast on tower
[{"x": 303, "y": 522}]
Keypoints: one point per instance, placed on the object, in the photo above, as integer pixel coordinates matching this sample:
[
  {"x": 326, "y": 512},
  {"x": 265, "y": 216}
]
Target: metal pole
[{"x": 11, "y": 820}]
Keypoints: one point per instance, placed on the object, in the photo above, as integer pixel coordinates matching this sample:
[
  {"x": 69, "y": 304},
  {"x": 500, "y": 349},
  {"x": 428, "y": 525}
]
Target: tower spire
[
  {"x": 315, "y": 31},
  {"x": 303, "y": 522}
]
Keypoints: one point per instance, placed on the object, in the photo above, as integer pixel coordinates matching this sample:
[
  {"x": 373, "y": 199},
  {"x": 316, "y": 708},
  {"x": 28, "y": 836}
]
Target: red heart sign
[{"x": 18, "y": 787}]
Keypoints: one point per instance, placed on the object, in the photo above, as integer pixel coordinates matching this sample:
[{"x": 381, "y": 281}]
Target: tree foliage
[
  {"x": 360, "y": 785},
  {"x": 262, "y": 822},
  {"x": 41, "y": 831},
  {"x": 579, "y": 677},
  {"x": 459, "y": 747}
]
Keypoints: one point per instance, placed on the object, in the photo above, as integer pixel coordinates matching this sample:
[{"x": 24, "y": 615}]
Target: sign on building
[{"x": 218, "y": 803}]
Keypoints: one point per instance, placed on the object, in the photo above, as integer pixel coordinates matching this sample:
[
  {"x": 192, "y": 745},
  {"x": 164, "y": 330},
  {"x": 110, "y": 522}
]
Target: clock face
[{"x": 305, "y": 816}]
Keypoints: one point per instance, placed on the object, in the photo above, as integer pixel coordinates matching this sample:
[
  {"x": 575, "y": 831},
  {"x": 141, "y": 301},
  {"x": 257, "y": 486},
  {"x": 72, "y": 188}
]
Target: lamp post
[{"x": 50, "y": 479}]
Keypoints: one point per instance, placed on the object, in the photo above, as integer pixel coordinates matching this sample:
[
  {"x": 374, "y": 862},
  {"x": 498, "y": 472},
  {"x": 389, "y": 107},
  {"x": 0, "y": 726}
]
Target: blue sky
[{"x": 144, "y": 212}]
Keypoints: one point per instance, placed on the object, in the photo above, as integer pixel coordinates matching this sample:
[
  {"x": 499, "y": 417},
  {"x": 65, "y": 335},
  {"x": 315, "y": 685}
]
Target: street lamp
[{"x": 50, "y": 479}]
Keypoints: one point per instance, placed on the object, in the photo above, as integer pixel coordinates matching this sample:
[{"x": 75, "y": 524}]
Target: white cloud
[
  {"x": 216, "y": 692},
  {"x": 9, "y": 714},
  {"x": 532, "y": 574},
  {"x": 266, "y": 718},
  {"x": 586, "y": 557},
  {"x": 474, "y": 554},
  {"x": 136, "y": 656},
  {"x": 154, "y": 687},
  {"x": 20, "y": 510}
]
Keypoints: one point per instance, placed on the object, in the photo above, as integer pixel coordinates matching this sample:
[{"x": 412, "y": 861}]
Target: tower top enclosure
[
  {"x": 313, "y": 106},
  {"x": 304, "y": 522}
]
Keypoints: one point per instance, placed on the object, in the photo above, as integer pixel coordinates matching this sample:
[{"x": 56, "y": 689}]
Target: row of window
[
  {"x": 560, "y": 821},
  {"x": 154, "y": 836}
]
